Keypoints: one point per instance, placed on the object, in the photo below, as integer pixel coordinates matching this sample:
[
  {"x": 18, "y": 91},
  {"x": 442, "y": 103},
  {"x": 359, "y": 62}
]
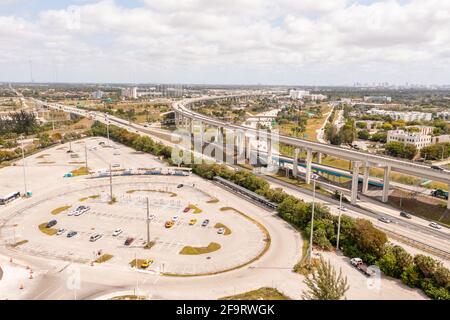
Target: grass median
[{"x": 188, "y": 250}]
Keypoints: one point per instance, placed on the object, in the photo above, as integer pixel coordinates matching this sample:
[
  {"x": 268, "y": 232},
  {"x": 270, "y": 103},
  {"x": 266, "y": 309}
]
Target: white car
[
  {"x": 344, "y": 209},
  {"x": 116, "y": 165},
  {"x": 60, "y": 231},
  {"x": 175, "y": 218},
  {"x": 95, "y": 237},
  {"x": 117, "y": 232},
  {"x": 221, "y": 231},
  {"x": 151, "y": 217},
  {"x": 435, "y": 225}
]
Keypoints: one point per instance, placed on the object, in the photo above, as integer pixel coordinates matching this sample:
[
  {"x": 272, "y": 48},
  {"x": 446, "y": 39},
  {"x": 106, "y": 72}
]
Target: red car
[
  {"x": 186, "y": 209},
  {"x": 129, "y": 241}
]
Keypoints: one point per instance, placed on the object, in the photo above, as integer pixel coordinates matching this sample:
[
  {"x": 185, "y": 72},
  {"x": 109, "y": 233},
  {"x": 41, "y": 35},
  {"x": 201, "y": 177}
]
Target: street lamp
[
  {"x": 339, "y": 222},
  {"x": 23, "y": 166},
  {"x": 312, "y": 222}
]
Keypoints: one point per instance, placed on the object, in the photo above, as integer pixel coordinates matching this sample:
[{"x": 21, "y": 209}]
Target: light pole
[
  {"x": 110, "y": 183},
  {"x": 339, "y": 222},
  {"x": 312, "y": 223},
  {"x": 23, "y": 166},
  {"x": 107, "y": 130}
]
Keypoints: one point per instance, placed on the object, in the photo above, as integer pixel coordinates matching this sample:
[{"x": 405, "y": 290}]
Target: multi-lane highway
[{"x": 413, "y": 230}]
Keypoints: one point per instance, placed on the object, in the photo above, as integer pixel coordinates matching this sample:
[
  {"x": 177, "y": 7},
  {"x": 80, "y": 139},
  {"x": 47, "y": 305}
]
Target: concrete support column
[
  {"x": 191, "y": 126},
  {"x": 319, "y": 157},
  {"x": 295, "y": 163},
  {"x": 247, "y": 147},
  {"x": 355, "y": 178},
  {"x": 308, "y": 166},
  {"x": 448, "y": 200},
  {"x": 365, "y": 186},
  {"x": 201, "y": 133},
  {"x": 386, "y": 180}
]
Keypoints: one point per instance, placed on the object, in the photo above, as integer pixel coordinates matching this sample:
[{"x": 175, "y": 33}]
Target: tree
[
  {"x": 398, "y": 149},
  {"x": 368, "y": 239},
  {"x": 363, "y": 135},
  {"x": 325, "y": 284}
]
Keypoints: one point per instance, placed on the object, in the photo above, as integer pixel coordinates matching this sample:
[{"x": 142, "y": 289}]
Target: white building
[
  {"x": 441, "y": 139},
  {"x": 298, "y": 94},
  {"x": 377, "y": 99},
  {"x": 417, "y": 139},
  {"x": 130, "y": 93},
  {"x": 304, "y": 94},
  {"x": 427, "y": 130},
  {"x": 402, "y": 115},
  {"x": 97, "y": 94}
]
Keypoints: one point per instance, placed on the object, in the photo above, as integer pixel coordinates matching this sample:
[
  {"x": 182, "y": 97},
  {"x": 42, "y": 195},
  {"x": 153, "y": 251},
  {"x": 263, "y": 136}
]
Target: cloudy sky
[{"x": 296, "y": 42}]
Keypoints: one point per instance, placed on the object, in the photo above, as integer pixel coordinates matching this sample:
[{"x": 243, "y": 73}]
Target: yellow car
[
  {"x": 169, "y": 224},
  {"x": 146, "y": 263},
  {"x": 192, "y": 222}
]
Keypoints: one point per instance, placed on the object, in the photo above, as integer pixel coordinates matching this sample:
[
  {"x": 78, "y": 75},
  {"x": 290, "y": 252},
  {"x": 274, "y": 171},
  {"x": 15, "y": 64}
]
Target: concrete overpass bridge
[{"x": 186, "y": 118}]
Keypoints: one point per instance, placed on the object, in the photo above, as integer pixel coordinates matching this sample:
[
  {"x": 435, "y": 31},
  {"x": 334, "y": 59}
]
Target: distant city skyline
[{"x": 248, "y": 42}]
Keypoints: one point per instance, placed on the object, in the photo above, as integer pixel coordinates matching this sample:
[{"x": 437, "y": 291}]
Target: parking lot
[{"x": 129, "y": 212}]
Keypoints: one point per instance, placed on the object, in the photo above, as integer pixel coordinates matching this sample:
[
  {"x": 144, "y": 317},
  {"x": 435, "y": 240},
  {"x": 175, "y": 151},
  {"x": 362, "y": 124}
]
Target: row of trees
[
  {"x": 18, "y": 122},
  {"x": 436, "y": 151},
  {"x": 398, "y": 149},
  {"x": 358, "y": 237}
]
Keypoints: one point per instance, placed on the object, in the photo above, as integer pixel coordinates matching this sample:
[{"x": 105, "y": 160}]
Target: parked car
[
  {"x": 385, "y": 220},
  {"x": 192, "y": 222},
  {"x": 71, "y": 234},
  {"x": 151, "y": 217},
  {"x": 51, "y": 223},
  {"x": 117, "y": 232},
  {"x": 169, "y": 224},
  {"x": 435, "y": 225},
  {"x": 186, "y": 209},
  {"x": 129, "y": 241},
  {"x": 205, "y": 223},
  {"x": 405, "y": 215},
  {"x": 60, "y": 231},
  {"x": 180, "y": 185},
  {"x": 221, "y": 231},
  {"x": 175, "y": 218},
  {"x": 95, "y": 237},
  {"x": 146, "y": 263},
  {"x": 358, "y": 264},
  {"x": 116, "y": 165}
]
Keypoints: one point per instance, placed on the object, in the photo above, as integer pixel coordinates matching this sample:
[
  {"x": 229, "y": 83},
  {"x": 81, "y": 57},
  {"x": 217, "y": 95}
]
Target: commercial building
[
  {"x": 417, "y": 139},
  {"x": 304, "y": 94},
  {"x": 377, "y": 99},
  {"x": 441, "y": 139},
  {"x": 129, "y": 93},
  {"x": 402, "y": 115},
  {"x": 97, "y": 94}
]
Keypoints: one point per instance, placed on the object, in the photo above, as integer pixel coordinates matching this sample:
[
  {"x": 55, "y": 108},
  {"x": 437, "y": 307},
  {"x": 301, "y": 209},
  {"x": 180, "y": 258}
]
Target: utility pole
[
  {"x": 339, "y": 222},
  {"x": 85, "y": 156},
  {"x": 312, "y": 223},
  {"x": 24, "y": 171},
  {"x": 107, "y": 130},
  {"x": 148, "y": 223},
  {"x": 110, "y": 183}
]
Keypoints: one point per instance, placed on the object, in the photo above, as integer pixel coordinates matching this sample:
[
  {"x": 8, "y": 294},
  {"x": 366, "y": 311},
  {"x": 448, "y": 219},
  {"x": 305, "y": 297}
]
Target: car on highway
[
  {"x": 71, "y": 234},
  {"x": 169, "y": 224},
  {"x": 385, "y": 220},
  {"x": 60, "y": 231},
  {"x": 117, "y": 232},
  {"x": 435, "y": 225},
  {"x": 405, "y": 215},
  {"x": 129, "y": 241},
  {"x": 95, "y": 237},
  {"x": 437, "y": 168},
  {"x": 175, "y": 218},
  {"x": 344, "y": 209},
  {"x": 51, "y": 223},
  {"x": 146, "y": 263},
  {"x": 192, "y": 222},
  {"x": 205, "y": 223},
  {"x": 221, "y": 231}
]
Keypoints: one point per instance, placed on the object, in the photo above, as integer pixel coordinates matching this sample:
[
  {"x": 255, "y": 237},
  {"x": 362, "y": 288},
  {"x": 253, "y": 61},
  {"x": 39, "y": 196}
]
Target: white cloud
[{"x": 242, "y": 41}]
